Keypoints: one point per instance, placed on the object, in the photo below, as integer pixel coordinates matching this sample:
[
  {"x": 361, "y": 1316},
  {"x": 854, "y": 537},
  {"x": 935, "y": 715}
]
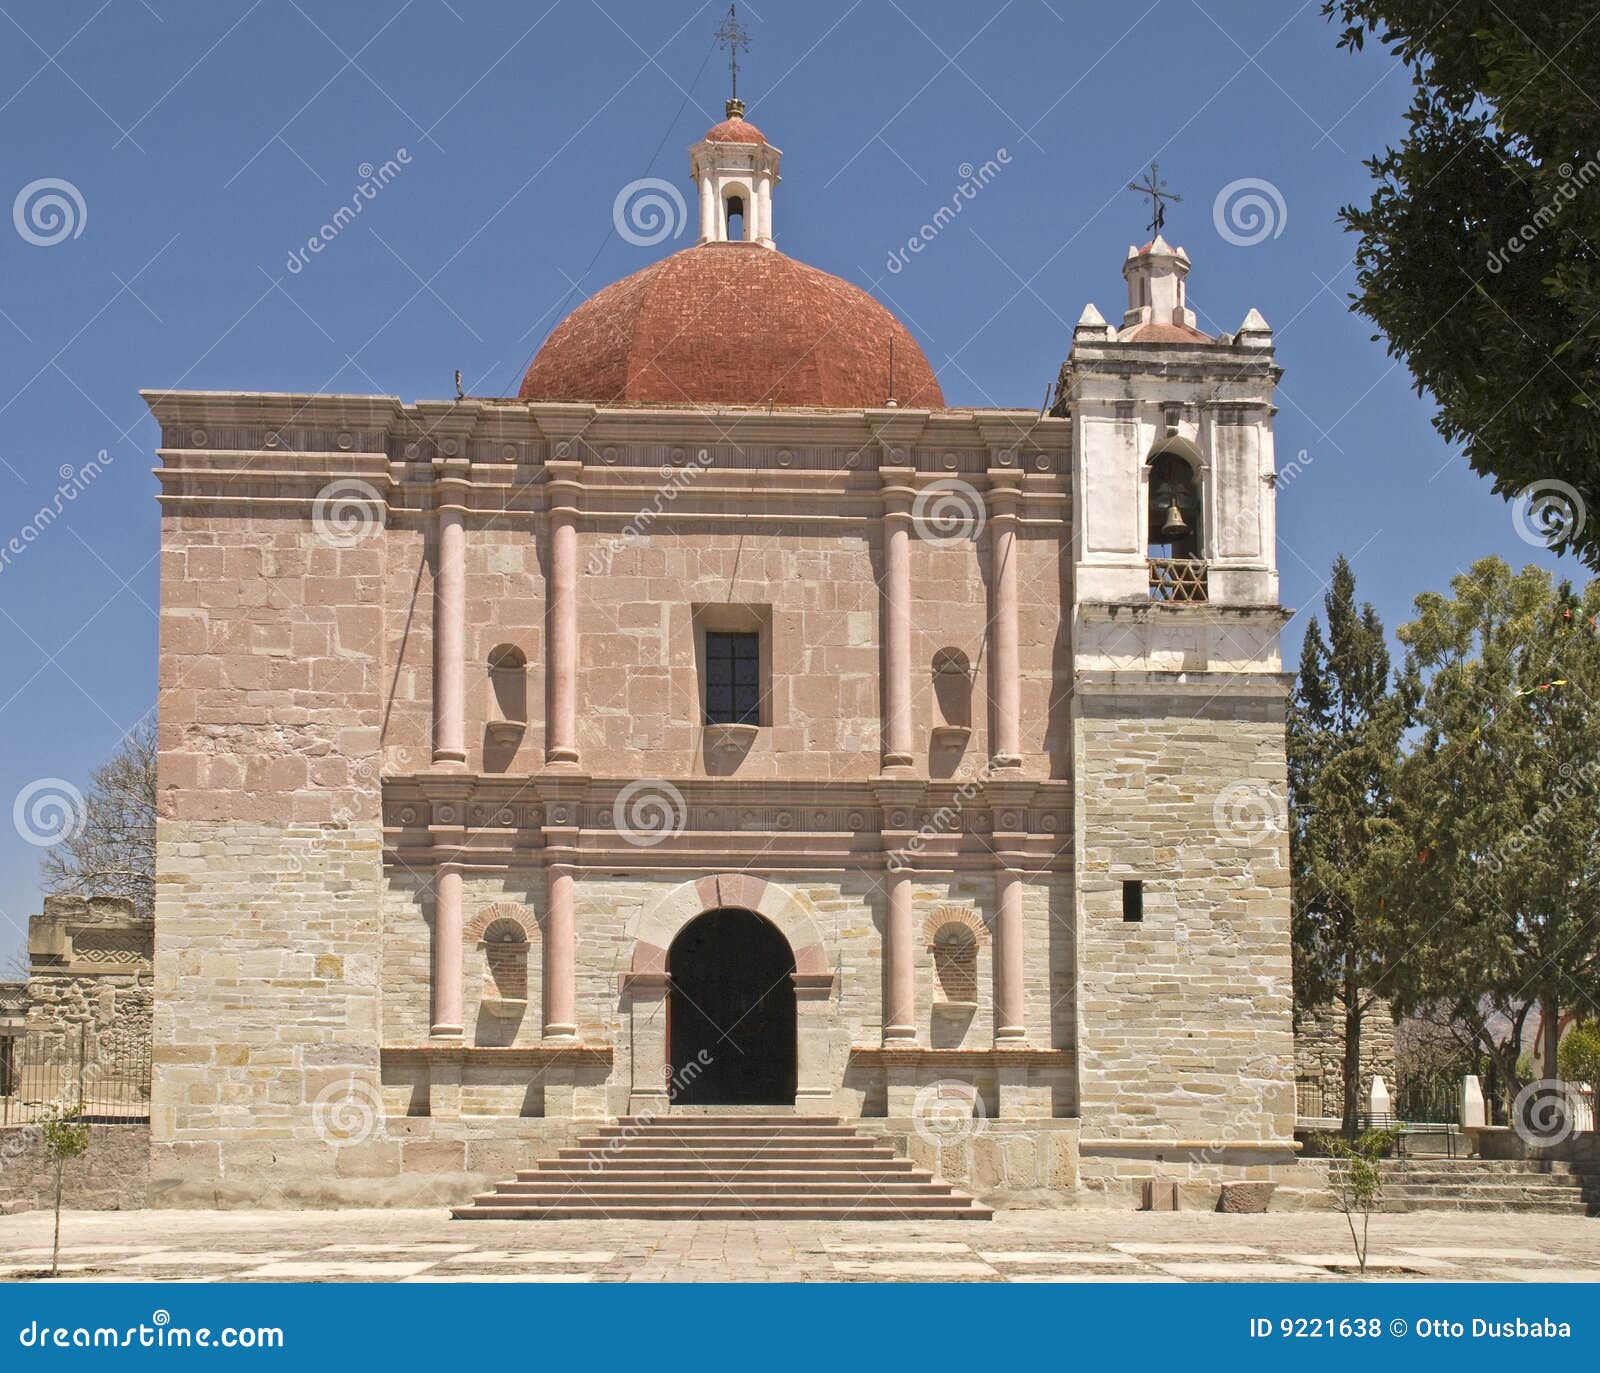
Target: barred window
[{"x": 733, "y": 678}]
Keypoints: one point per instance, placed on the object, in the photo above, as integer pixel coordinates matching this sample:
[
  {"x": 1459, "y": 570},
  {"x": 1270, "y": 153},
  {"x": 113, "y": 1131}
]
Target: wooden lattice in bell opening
[{"x": 1179, "y": 581}]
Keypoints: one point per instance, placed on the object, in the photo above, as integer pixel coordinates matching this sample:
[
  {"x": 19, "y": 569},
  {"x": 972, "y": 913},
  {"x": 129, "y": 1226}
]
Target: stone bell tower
[{"x": 1178, "y": 734}]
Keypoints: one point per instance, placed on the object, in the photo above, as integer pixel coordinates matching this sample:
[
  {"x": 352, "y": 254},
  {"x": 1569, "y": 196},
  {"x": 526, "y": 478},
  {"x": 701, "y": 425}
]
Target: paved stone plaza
[{"x": 1031, "y": 1246}]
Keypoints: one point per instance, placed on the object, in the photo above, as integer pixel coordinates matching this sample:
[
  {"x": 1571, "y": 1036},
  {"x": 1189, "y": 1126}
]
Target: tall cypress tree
[{"x": 1344, "y": 735}]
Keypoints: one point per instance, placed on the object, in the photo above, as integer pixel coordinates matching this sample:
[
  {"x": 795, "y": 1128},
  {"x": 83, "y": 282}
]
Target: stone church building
[{"x": 727, "y": 725}]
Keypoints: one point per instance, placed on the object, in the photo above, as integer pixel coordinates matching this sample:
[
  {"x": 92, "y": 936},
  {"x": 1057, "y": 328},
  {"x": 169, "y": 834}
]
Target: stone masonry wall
[
  {"x": 268, "y": 848},
  {"x": 1319, "y": 1053},
  {"x": 849, "y": 912},
  {"x": 1185, "y": 1020},
  {"x": 113, "y": 1176},
  {"x": 637, "y": 674}
]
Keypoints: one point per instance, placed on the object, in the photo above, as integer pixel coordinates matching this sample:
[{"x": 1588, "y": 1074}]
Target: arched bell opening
[
  {"x": 1174, "y": 537},
  {"x": 1174, "y": 510}
]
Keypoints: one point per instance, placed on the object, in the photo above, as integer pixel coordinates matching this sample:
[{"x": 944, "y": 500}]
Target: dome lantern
[{"x": 734, "y": 169}]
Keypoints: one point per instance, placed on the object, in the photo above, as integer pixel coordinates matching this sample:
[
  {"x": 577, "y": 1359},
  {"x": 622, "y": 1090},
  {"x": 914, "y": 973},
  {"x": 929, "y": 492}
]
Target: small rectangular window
[
  {"x": 733, "y": 678},
  {"x": 1133, "y": 900}
]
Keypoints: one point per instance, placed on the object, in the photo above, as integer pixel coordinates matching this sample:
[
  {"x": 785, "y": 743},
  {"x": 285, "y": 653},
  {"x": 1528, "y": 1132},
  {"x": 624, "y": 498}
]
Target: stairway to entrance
[
  {"x": 725, "y": 1167},
  {"x": 1439, "y": 1184}
]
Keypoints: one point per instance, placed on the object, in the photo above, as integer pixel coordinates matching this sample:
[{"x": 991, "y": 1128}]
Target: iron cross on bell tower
[
  {"x": 1156, "y": 189},
  {"x": 734, "y": 37}
]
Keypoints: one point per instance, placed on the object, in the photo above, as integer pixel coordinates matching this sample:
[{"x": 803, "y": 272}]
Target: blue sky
[{"x": 206, "y": 141}]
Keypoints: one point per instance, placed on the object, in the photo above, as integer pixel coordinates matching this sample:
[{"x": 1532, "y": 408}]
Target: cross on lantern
[
  {"x": 1156, "y": 189},
  {"x": 733, "y": 37}
]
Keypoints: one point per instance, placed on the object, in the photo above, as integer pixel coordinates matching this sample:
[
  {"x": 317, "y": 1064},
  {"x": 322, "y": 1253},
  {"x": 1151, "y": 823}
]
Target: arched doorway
[{"x": 731, "y": 1018}]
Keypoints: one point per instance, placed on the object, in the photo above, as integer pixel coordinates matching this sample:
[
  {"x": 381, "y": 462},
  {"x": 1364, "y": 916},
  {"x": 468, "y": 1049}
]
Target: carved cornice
[
  {"x": 489, "y": 820},
  {"x": 242, "y": 445}
]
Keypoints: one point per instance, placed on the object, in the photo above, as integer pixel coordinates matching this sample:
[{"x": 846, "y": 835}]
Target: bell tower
[
  {"x": 734, "y": 169},
  {"x": 1177, "y": 721}
]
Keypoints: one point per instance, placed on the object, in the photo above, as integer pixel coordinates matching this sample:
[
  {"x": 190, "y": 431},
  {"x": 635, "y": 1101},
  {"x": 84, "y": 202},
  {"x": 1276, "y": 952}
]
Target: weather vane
[
  {"x": 733, "y": 37},
  {"x": 1156, "y": 189}
]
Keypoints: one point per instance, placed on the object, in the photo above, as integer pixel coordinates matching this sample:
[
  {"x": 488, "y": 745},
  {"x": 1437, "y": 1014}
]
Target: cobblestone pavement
[{"x": 1017, "y": 1246}]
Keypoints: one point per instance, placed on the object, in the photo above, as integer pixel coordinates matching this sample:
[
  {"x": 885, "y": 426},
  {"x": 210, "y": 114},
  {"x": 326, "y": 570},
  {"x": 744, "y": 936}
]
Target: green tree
[
  {"x": 65, "y": 1137},
  {"x": 1477, "y": 254},
  {"x": 1500, "y": 801},
  {"x": 1356, "y": 1177},
  {"x": 1579, "y": 1054},
  {"x": 1344, "y": 734}
]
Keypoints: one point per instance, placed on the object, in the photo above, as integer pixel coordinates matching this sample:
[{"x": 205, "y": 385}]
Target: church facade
[{"x": 726, "y": 724}]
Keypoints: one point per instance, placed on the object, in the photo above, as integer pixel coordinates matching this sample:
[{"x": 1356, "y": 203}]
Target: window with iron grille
[{"x": 733, "y": 678}]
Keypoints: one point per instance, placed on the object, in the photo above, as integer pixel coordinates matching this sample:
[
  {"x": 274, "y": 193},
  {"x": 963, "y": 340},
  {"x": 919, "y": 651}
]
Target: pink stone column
[
  {"x": 562, "y": 660},
  {"x": 447, "y": 1021},
  {"x": 1007, "y": 748},
  {"x": 560, "y": 952},
  {"x": 1009, "y": 994},
  {"x": 897, "y": 637},
  {"x": 899, "y": 963},
  {"x": 449, "y": 638}
]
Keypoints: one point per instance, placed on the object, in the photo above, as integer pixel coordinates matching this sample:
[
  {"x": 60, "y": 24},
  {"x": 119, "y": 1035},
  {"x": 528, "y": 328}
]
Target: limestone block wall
[
  {"x": 637, "y": 674},
  {"x": 1319, "y": 1052},
  {"x": 1184, "y": 1018},
  {"x": 112, "y": 1176},
  {"x": 267, "y": 951},
  {"x": 849, "y": 912},
  {"x": 408, "y": 649}
]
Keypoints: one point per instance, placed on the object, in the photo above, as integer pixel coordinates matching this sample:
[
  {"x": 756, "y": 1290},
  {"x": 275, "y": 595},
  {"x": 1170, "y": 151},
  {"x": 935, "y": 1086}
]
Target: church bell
[{"x": 1174, "y": 527}]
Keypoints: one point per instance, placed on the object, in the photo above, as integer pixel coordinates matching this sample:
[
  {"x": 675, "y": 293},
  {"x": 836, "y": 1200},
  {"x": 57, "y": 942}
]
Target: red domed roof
[
  {"x": 734, "y": 324},
  {"x": 735, "y": 130}
]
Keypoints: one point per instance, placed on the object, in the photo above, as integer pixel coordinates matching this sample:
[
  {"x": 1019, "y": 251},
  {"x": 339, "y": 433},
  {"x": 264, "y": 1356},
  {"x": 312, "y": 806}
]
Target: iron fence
[{"x": 103, "y": 1075}]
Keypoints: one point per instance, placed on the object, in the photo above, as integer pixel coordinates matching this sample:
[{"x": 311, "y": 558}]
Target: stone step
[
  {"x": 749, "y": 1168},
  {"x": 714, "y": 1186},
  {"x": 822, "y": 1143},
  {"x": 1469, "y": 1167},
  {"x": 1484, "y": 1192},
  {"x": 716, "y": 1121},
  {"x": 1440, "y": 1203},
  {"x": 741, "y": 1132},
  {"x": 867, "y": 1177},
  {"x": 1506, "y": 1183},
  {"x": 1488, "y": 1185},
  {"x": 734, "y": 1211},
  {"x": 722, "y": 1153}
]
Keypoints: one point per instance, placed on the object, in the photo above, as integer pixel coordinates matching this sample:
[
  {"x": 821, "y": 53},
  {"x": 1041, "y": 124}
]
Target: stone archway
[
  {"x": 647, "y": 983},
  {"x": 731, "y": 1012}
]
